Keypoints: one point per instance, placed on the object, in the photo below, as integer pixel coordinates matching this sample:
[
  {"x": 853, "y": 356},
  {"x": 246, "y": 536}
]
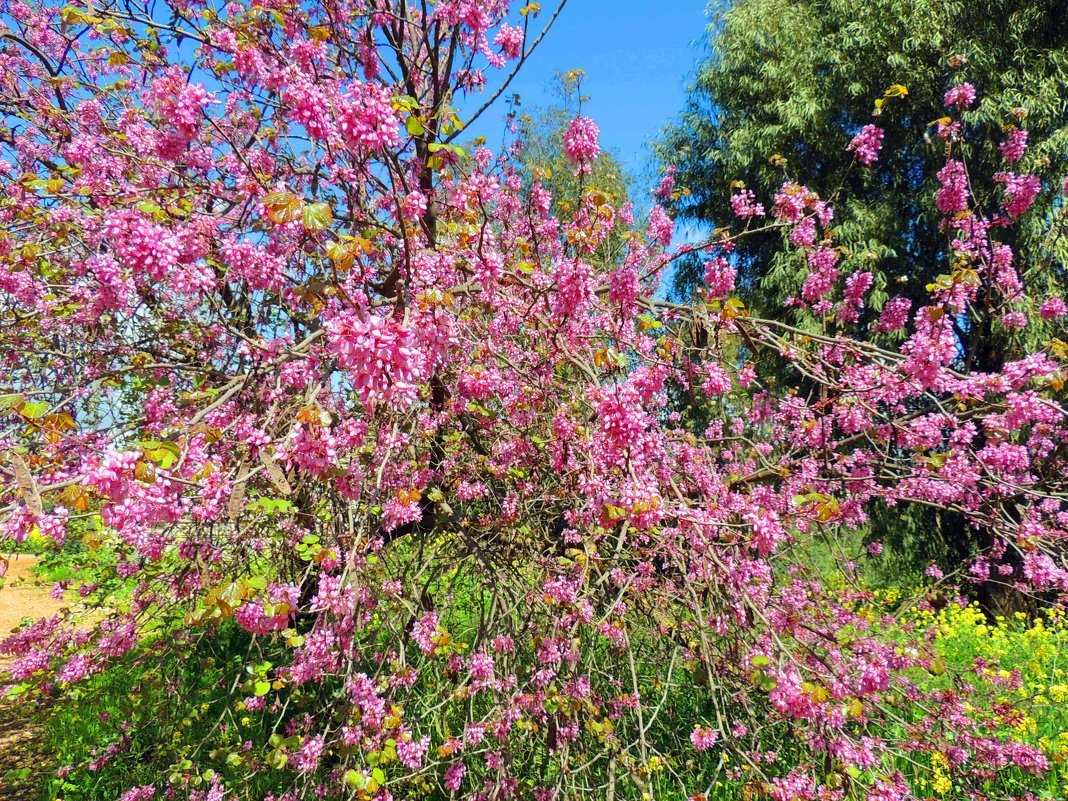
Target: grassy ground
[{"x": 174, "y": 704}]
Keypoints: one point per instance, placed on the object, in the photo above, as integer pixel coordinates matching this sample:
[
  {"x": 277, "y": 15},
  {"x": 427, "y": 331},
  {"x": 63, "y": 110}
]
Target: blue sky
[{"x": 638, "y": 56}]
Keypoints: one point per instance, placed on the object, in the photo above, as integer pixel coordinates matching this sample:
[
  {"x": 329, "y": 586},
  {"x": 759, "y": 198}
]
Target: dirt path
[
  {"x": 22, "y": 760},
  {"x": 21, "y": 597}
]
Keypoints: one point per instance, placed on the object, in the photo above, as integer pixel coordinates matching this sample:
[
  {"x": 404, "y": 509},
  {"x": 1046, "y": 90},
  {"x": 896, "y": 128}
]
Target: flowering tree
[{"x": 304, "y": 374}]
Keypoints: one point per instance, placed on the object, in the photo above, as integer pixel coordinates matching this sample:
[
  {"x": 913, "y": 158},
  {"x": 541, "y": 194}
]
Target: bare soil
[{"x": 23, "y": 759}]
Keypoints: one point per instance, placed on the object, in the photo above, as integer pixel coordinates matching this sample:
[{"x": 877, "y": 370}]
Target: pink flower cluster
[
  {"x": 144, "y": 246},
  {"x": 822, "y": 274},
  {"x": 510, "y": 39},
  {"x": 367, "y": 120},
  {"x": 581, "y": 145},
  {"x": 895, "y": 314},
  {"x": 661, "y": 228},
  {"x": 1053, "y": 309},
  {"x": 961, "y": 96},
  {"x": 856, "y": 287},
  {"x": 1014, "y": 146},
  {"x": 791, "y": 201},
  {"x": 1020, "y": 192},
  {"x": 376, "y": 352},
  {"x": 253, "y": 263},
  {"x": 574, "y": 289},
  {"x": 744, "y": 206},
  {"x": 178, "y": 102},
  {"x": 953, "y": 196},
  {"x": 703, "y": 737},
  {"x": 867, "y": 144}
]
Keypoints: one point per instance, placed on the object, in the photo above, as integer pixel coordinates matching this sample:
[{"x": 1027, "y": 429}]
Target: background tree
[
  {"x": 785, "y": 88},
  {"x": 795, "y": 80},
  {"x": 542, "y": 156}
]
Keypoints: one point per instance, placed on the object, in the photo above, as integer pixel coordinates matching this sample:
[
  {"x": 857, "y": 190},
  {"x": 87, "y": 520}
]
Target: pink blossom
[
  {"x": 961, "y": 96},
  {"x": 623, "y": 287},
  {"x": 719, "y": 277},
  {"x": 703, "y": 737},
  {"x": 1014, "y": 321},
  {"x": 367, "y": 120},
  {"x": 667, "y": 184},
  {"x": 822, "y": 273},
  {"x": 178, "y": 102},
  {"x": 311, "y": 750},
  {"x": 856, "y": 287},
  {"x": 410, "y": 751},
  {"x": 1020, "y": 191},
  {"x": 580, "y": 144},
  {"x": 454, "y": 776},
  {"x": 661, "y": 227},
  {"x": 510, "y": 39},
  {"x": 743, "y": 205},
  {"x": 1053, "y": 308},
  {"x": 767, "y": 530},
  {"x": 953, "y": 196},
  {"x": 424, "y": 631},
  {"x": 1042, "y": 572},
  {"x": 791, "y": 201},
  {"x": 574, "y": 289},
  {"x": 867, "y": 143},
  {"x": 717, "y": 380},
  {"x": 931, "y": 348},
  {"x": 1014, "y": 146},
  {"x": 378, "y": 356}
]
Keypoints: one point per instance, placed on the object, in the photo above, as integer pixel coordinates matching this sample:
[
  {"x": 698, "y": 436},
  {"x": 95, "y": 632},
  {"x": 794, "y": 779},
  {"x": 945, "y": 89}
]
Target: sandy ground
[
  {"x": 22, "y": 760},
  {"x": 21, "y": 597}
]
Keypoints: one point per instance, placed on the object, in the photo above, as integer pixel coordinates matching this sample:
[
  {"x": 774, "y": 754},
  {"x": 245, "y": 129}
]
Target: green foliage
[
  {"x": 182, "y": 712},
  {"x": 798, "y": 79},
  {"x": 121, "y": 727}
]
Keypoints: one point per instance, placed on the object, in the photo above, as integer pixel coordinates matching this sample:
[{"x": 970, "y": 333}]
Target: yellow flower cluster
[
  {"x": 1036, "y": 649},
  {"x": 1013, "y": 661}
]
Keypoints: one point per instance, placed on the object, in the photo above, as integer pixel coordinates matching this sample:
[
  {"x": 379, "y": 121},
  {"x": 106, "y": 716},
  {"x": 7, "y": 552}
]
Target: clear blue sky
[{"x": 638, "y": 56}]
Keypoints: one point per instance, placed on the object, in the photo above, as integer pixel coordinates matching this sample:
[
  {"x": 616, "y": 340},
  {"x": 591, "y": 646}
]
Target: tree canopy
[
  {"x": 373, "y": 457},
  {"x": 788, "y": 84}
]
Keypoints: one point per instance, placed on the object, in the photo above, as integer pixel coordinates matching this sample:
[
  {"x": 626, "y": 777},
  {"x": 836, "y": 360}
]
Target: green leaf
[
  {"x": 647, "y": 321},
  {"x": 10, "y": 401},
  {"x": 277, "y": 760},
  {"x": 34, "y": 409},
  {"x": 282, "y": 207},
  {"x": 164, "y": 454},
  {"x": 317, "y": 216},
  {"x": 415, "y": 126}
]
